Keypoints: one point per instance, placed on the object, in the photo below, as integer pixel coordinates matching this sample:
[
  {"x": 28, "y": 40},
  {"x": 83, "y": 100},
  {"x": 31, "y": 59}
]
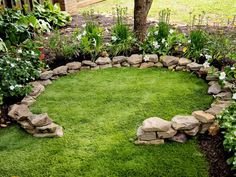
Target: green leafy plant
[{"x": 3, "y": 47}]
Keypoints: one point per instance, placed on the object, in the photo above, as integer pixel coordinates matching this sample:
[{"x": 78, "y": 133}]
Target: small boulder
[
  {"x": 37, "y": 89},
  {"x": 19, "y": 112},
  {"x": 156, "y": 124},
  {"x": 169, "y": 60},
  {"x": 46, "y": 75},
  {"x": 147, "y": 65},
  {"x": 28, "y": 100},
  {"x": 135, "y": 59},
  {"x": 184, "y": 122},
  {"x": 119, "y": 59},
  {"x": 125, "y": 64},
  {"x": 180, "y": 68},
  {"x": 204, "y": 128},
  {"x": 145, "y": 136},
  {"x": 60, "y": 71},
  {"x": 224, "y": 96},
  {"x": 158, "y": 65},
  {"x": 88, "y": 63},
  {"x": 203, "y": 116},
  {"x": 73, "y": 65},
  {"x": 215, "y": 110},
  {"x": 168, "y": 134},
  {"x": 214, "y": 88},
  {"x": 103, "y": 61},
  {"x": 194, "y": 66},
  {"x": 57, "y": 133},
  {"x": 184, "y": 61},
  {"x": 152, "y": 58},
  {"x": 40, "y": 120},
  {"x": 192, "y": 132}
]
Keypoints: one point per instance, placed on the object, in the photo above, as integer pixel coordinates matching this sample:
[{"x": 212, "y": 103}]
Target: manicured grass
[
  {"x": 217, "y": 9},
  {"x": 100, "y": 112}
]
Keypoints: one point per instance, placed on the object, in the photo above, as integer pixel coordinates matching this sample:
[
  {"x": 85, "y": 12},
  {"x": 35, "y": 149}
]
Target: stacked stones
[{"x": 199, "y": 122}]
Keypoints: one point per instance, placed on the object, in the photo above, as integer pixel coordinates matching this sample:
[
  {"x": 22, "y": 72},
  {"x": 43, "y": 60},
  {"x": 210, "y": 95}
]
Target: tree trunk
[{"x": 141, "y": 9}]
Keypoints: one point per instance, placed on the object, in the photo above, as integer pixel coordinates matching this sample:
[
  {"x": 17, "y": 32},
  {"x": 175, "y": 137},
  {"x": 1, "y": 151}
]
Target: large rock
[
  {"x": 37, "y": 89},
  {"x": 155, "y": 142},
  {"x": 135, "y": 59},
  {"x": 19, "y": 112},
  {"x": 214, "y": 88},
  {"x": 73, "y": 65},
  {"x": 89, "y": 63},
  {"x": 152, "y": 58},
  {"x": 147, "y": 65},
  {"x": 224, "y": 96},
  {"x": 194, "y": 66},
  {"x": 40, "y": 120},
  {"x": 158, "y": 65},
  {"x": 145, "y": 136},
  {"x": 192, "y": 132},
  {"x": 169, "y": 60},
  {"x": 156, "y": 124},
  {"x": 57, "y": 133},
  {"x": 215, "y": 110},
  {"x": 184, "y": 122},
  {"x": 203, "y": 116},
  {"x": 222, "y": 104},
  {"x": 60, "y": 71},
  {"x": 103, "y": 61},
  {"x": 46, "y": 75},
  {"x": 28, "y": 100},
  {"x": 168, "y": 134},
  {"x": 119, "y": 59},
  {"x": 184, "y": 61}
]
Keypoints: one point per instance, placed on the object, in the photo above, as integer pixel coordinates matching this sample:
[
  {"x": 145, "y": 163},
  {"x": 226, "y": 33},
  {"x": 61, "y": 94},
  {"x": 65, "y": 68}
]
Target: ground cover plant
[{"x": 100, "y": 112}]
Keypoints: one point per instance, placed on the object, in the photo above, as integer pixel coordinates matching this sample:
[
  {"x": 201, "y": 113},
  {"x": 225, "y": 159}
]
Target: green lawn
[
  {"x": 216, "y": 9},
  {"x": 100, "y": 112}
]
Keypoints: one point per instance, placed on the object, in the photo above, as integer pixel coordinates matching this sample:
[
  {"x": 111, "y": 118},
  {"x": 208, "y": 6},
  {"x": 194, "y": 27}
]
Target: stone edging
[{"x": 153, "y": 130}]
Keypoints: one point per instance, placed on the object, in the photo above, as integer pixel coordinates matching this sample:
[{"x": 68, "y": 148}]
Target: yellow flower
[{"x": 185, "y": 49}]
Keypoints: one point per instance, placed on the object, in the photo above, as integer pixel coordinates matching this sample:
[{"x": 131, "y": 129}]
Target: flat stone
[
  {"x": 184, "y": 61},
  {"x": 119, "y": 59},
  {"x": 89, "y": 63},
  {"x": 203, "y": 116},
  {"x": 116, "y": 65},
  {"x": 169, "y": 60},
  {"x": 103, "y": 61},
  {"x": 46, "y": 75},
  {"x": 156, "y": 124},
  {"x": 154, "y": 142},
  {"x": 60, "y": 71},
  {"x": 135, "y": 59},
  {"x": 214, "y": 129},
  {"x": 85, "y": 68},
  {"x": 50, "y": 128},
  {"x": 19, "y": 112},
  {"x": 214, "y": 88},
  {"x": 125, "y": 64},
  {"x": 221, "y": 103},
  {"x": 168, "y": 134},
  {"x": 180, "y": 138},
  {"x": 224, "y": 96},
  {"x": 57, "y": 133},
  {"x": 192, "y": 132},
  {"x": 105, "y": 66},
  {"x": 204, "y": 128},
  {"x": 152, "y": 57},
  {"x": 194, "y": 66},
  {"x": 45, "y": 82},
  {"x": 145, "y": 136},
  {"x": 28, "y": 100},
  {"x": 184, "y": 122},
  {"x": 40, "y": 120},
  {"x": 215, "y": 110},
  {"x": 158, "y": 65},
  {"x": 180, "y": 68},
  {"x": 147, "y": 65},
  {"x": 73, "y": 65},
  {"x": 37, "y": 89}
]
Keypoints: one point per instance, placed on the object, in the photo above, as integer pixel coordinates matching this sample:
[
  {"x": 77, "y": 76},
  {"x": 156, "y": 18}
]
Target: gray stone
[
  {"x": 152, "y": 58},
  {"x": 158, "y": 65},
  {"x": 180, "y": 138},
  {"x": 116, "y": 65},
  {"x": 203, "y": 117},
  {"x": 223, "y": 104},
  {"x": 28, "y": 100},
  {"x": 214, "y": 88},
  {"x": 105, "y": 66},
  {"x": 154, "y": 142},
  {"x": 60, "y": 71},
  {"x": 40, "y": 120},
  {"x": 74, "y": 65},
  {"x": 103, "y": 61},
  {"x": 46, "y": 75},
  {"x": 184, "y": 61},
  {"x": 184, "y": 122},
  {"x": 169, "y": 60},
  {"x": 192, "y": 132},
  {"x": 89, "y": 63},
  {"x": 194, "y": 66},
  {"x": 168, "y": 134},
  {"x": 37, "y": 89},
  {"x": 215, "y": 110},
  {"x": 19, "y": 112},
  {"x": 145, "y": 136},
  {"x": 147, "y": 65},
  {"x": 135, "y": 59},
  {"x": 57, "y": 133},
  {"x": 119, "y": 59},
  {"x": 156, "y": 124},
  {"x": 224, "y": 96}
]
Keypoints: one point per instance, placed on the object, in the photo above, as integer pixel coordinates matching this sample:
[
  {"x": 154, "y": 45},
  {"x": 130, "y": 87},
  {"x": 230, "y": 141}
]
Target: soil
[{"x": 212, "y": 147}]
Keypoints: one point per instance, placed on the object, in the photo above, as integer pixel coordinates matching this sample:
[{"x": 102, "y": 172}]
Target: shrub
[{"x": 228, "y": 124}]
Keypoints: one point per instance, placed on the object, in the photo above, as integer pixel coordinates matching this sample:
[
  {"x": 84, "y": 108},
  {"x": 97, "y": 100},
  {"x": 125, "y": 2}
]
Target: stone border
[{"x": 153, "y": 130}]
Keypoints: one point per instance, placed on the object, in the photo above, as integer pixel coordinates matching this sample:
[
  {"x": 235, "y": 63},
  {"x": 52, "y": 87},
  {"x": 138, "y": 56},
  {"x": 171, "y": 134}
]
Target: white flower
[
  {"x": 19, "y": 51},
  {"x": 189, "y": 41},
  {"x": 156, "y": 33},
  {"x": 148, "y": 34},
  {"x": 46, "y": 38},
  {"x": 19, "y": 86},
  {"x": 156, "y": 45},
  {"x": 163, "y": 41},
  {"x": 232, "y": 68},
  {"x": 84, "y": 33},
  {"x": 12, "y": 65},
  {"x": 107, "y": 44},
  {"x": 32, "y": 52},
  {"x": 234, "y": 96},
  {"x": 146, "y": 58},
  {"x": 12, "y": 87},
  {"x": 94, "y": 41},
  {"x": 84, "y": 25},
  {"x": 206, "y": 64},
  {"x": 222, "y": 76},
  {"x": 171, "y": 31},
  {"x": 208, "y": 57},
  {"x": 17, "y": 59},
  {"x": 106, "y": 30},
  {"x": 114, "y": 38},
  {"x": 79, "y": 37}
]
